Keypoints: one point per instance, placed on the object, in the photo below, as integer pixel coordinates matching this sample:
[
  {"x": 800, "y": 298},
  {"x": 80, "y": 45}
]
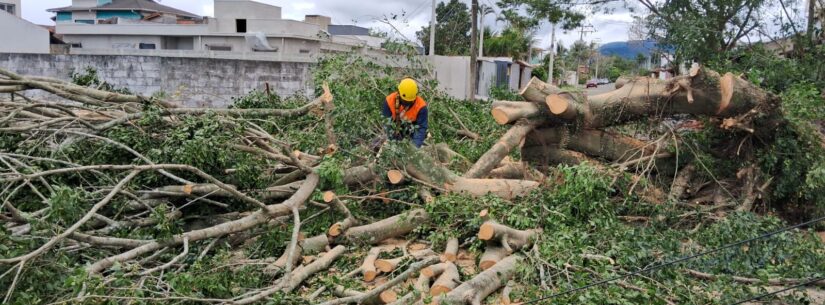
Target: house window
[
  {"x": 84, "y": 21},
  {"x": 219, "y": 48},
  {"x": 76, "y": 45},
  {"x": 7, "y": 7},
  {"x": 146, "y": 46},
  {"x": 303, "y": 51},
  {"x": 240, "y": 25}
]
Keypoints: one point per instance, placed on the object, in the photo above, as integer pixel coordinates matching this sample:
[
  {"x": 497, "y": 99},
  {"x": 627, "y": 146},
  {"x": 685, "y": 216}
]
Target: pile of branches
[{"x": 551, "y": 127}]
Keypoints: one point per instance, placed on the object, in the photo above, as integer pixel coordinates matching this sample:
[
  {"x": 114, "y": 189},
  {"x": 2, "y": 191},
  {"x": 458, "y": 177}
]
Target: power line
[
  {"x": 781, "y": 291},
  {"x": 686, "y": 258}
]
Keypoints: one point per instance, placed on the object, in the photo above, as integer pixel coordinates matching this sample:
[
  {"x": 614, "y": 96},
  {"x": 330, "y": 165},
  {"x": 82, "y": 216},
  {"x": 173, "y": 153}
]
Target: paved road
[{"x": 599, "y": 90}]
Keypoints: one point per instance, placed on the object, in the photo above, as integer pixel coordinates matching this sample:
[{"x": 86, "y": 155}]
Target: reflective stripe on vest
[{"x": 408, "y": 114}]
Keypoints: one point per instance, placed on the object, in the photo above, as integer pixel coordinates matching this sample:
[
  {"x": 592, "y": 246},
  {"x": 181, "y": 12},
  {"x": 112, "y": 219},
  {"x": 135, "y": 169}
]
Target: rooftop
[{"x": 134, "y": 5}]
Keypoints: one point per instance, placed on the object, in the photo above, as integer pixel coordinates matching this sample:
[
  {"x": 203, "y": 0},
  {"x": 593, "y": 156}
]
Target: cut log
[
  {"x": 305, "y": 247},
  {"x": 504, "y": 188},
  {"x": 450, "y": 251},
  {"x": 394, "y": 226},
  {"x": 368, "y": 266},
  {"x": 506, "y": 112},
  {"x": 340, "y": 227},
  {"x": 706, "y": 93},
  {"x": 475, "y": 290},
  {"x": 423, "y": 168},
  {"x": 492, "y": 255},
  {"x": 329, "y": 196},
  {"x": 445, "y": 283},
  {"x": 536, "y": 90},
  {"x": 501, "y": 149},
  {"x": 395, "y": 176},
  {"x": 508, "y": 237},
  {"x": 565, "y": 106},
  {"x": 385, "y": 297},
  {"x": 299, "y": 275},
  {"x": 388, "y": 265},
  {"x": 596, "y": 143},
  {"x": 435, "y": 270},
  {"x": 359, "y": 175}
]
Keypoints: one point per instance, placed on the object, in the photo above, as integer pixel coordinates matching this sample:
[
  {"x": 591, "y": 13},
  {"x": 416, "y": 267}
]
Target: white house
[
  {"x": 240, "y": 29},
  {"x": 18, "y": 35}
]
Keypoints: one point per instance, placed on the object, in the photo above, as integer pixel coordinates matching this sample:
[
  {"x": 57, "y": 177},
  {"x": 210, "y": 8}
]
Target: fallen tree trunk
[
  {"x": 446, "y": 281},
  {"x": 300, "y": 275},
  {"x": 475, "y": 290},
  {"x": 376, "y": 232},
  {"x": 505, "y": 112},
  {"x": 536, "y": 90},
  {"x": 703, "y": 92},
  {"x": 501, "y": 149}
]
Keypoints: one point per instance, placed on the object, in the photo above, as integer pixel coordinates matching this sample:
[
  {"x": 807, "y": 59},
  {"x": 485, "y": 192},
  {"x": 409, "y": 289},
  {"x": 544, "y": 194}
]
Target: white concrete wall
[
  {"x": 84, "y": 3},
  {"x": 102, "y": 42},
  {"x": 245, "y": 9},
  {"x": 451, "y": 73},
  {"x": 20, "y": 36},
  {"x": 17, "y": 7}
]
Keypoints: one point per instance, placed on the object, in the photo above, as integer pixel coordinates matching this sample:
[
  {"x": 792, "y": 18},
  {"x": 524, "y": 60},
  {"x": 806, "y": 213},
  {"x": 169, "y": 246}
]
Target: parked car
[
  {"x": 604, "y": 81},
  {"x": 592, "y": 84}
]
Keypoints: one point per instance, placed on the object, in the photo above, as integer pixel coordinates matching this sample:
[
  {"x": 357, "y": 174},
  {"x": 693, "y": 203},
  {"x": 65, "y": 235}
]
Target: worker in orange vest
[{"x": 406, "y": 113}]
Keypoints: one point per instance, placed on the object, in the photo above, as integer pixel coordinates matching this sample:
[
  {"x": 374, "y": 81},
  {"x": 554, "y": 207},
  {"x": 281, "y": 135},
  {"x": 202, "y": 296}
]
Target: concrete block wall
[{"x": 190, "y": 82}]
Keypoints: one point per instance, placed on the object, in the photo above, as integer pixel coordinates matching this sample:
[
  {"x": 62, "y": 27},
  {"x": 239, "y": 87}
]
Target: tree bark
[
  {"x": 299, "y": 275},
  {"x": 501, "y": 149},
  {"x": 368, "y": 266},
  {"x": 492, "y": 255},
  {"x": 536, "y": 90},
  {"x": 475, "y": 290},
  {"x": 505, "y": 112},
  {"x": 378, "y": 231},
  {"x": 446, "y": 281},
  {"x": 450, "y": 250},
  {"x": 704, "y": 92},
  {"x": 511, "y": 239}
]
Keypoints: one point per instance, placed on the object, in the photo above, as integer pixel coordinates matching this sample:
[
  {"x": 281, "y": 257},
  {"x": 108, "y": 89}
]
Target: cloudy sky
[{"x": 367, "y": 13}]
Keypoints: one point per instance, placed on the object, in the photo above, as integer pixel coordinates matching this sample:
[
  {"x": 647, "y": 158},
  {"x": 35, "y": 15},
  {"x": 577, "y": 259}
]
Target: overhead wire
[{"x": 759, "y": 297}]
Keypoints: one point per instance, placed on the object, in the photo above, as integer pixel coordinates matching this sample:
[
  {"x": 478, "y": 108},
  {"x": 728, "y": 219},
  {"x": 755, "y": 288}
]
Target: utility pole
[
  {"x": 473, "y": 51},
  {"x": 552, "y": 53},
  {"x": 432, "y": 32},
  {"x": 481, "y": 28}
]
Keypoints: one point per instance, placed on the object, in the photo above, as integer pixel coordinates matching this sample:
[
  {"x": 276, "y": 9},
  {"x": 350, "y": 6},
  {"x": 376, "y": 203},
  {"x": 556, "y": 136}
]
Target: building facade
[
  {"x": 12, "y": 7},
  {"x": 18, "y": 35},
  {"x": 240, "y": 29}
]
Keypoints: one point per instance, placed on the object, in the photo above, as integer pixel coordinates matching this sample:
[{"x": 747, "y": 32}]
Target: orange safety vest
[{"x": 407, "y": 114}]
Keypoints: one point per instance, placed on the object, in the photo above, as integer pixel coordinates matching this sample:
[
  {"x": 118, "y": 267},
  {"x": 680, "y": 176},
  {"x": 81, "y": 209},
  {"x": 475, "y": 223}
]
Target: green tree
[
  {"x": 452, "y": 32},
  {"x": 702, "y": 29},
  {"x": 511, "y": 42},
  {"x": 555, "y": 11}
]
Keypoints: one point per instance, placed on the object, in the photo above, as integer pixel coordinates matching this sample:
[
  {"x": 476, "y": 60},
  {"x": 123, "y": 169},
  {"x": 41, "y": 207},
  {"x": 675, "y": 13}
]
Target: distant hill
[{"x": 628, "y": 49}]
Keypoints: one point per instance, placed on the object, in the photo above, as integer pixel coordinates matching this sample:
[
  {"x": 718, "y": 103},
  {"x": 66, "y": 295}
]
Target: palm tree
[{"x": 483, "y": 10}]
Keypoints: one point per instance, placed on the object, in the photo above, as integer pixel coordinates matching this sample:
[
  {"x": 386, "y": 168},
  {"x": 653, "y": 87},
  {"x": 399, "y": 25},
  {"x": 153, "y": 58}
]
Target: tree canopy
[{"x": 452, "y": 29}]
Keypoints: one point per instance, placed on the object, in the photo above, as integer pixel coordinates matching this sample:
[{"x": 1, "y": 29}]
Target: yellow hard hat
[{"x": 408, "y": 89}]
